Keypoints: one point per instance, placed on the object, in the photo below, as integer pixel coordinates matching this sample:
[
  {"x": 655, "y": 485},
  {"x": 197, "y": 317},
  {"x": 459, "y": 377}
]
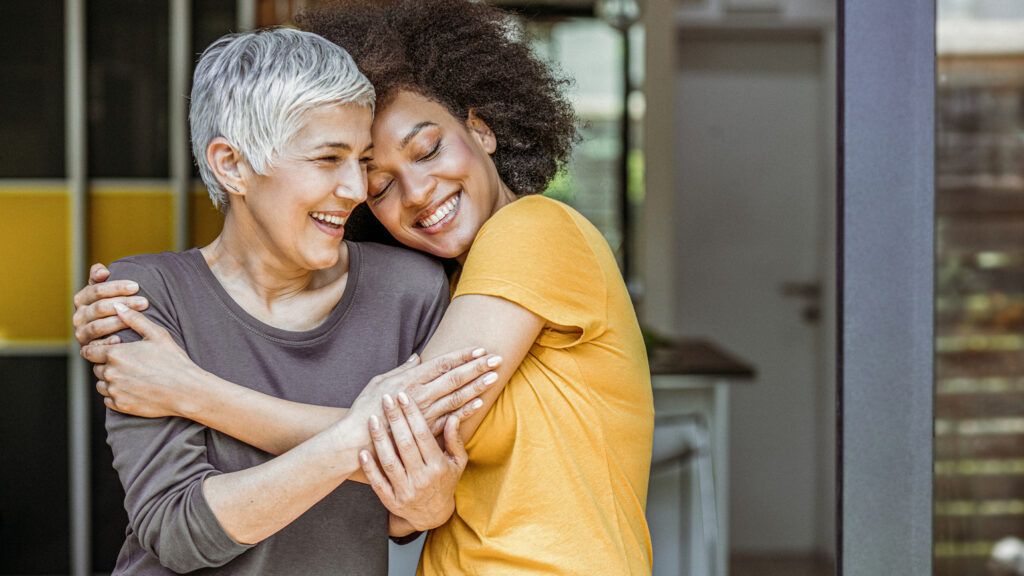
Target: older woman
[
  {"x": 469, "y": 125},
  {"x": 280, "y": 124}
]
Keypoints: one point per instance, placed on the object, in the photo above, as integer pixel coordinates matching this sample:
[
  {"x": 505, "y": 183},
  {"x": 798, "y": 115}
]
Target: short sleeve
[{"x": 534, "y": 253}]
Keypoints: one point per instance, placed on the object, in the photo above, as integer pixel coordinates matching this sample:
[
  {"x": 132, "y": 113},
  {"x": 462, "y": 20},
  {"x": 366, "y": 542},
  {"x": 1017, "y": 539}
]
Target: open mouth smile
[
  {"x": 442, "y": 215},
  {"x": 332, "y": 224}
]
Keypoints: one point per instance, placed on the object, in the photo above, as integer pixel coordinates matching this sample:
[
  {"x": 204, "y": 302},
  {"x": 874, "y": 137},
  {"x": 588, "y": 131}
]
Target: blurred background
[{"x": 708, "y": 162}]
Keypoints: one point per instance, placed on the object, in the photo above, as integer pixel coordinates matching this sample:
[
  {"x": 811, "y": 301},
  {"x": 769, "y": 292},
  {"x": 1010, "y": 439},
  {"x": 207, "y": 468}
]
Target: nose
[
  {"x": 351, "y": 184},
  {"x": 417, "y": 189}
]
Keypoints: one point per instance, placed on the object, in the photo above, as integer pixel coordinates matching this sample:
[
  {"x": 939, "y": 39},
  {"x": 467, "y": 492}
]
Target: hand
[
  {"x": 94, "y": 315},
  {"x": 149, "y": 378},
  {"x": 415, "y": 479},
  {"x": 441, "y": 388}
]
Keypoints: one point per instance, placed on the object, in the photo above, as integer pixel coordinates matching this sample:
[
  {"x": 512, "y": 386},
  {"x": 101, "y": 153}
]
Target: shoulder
[
  {"x": 153, "y": 272},
  {"x": 392, "y": 269},
  {"x": 534, "y": 213}
]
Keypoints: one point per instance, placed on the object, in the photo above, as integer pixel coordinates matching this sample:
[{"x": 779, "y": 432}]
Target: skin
[{"x": 423, "y": 157}]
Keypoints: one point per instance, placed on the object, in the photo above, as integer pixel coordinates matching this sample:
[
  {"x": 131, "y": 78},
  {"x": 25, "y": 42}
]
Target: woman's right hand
[
  {"x": 95, "y": 317},
  {"x": 445, "y": 386}
]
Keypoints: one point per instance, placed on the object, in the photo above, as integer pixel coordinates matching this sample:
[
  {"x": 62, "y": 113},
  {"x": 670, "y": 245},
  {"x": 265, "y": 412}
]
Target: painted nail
[
  {"x": 403, "y": 399},
  {"x": 374, "y": 423},
  {"x": 411, "y": 358},
  {"x": 364, "y": 457},
  {"x": 388, "y": 402},
  {"x": 494, "y": 361},
  {"x": 479, "y": 352},
  {"x": 476, "y": 404},
  {"x": 490, "y": 378}
]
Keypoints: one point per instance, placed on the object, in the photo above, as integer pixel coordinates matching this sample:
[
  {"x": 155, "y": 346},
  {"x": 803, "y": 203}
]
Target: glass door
[{"x": 979, "y": 314}]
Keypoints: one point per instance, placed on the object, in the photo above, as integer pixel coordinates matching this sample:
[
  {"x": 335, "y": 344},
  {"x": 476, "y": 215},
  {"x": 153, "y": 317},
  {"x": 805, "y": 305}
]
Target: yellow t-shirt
[{"x": 558, "y": 470}]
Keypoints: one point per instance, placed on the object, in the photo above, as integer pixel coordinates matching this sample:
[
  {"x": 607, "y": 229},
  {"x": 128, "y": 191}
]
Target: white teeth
[
  {"x": 328, "y": 218},
  {"x": 442, "y": 211}
]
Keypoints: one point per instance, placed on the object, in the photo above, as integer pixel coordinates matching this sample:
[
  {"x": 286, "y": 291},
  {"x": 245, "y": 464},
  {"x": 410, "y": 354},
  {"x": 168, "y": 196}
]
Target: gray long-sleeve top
[{"x": 393, "y": 300}]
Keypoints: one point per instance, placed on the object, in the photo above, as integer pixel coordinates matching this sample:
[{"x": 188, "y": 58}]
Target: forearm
[
  {"x": 253, "y": 504},
  {"x": 271, "y": 424}
]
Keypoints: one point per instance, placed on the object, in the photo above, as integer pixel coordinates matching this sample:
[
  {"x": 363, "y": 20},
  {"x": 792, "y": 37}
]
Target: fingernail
[
  {"x": 476, "y": 404},
  {"x": 490, "y": 378},
  {"x": 120, "y": 307},
  {"x": 364, "y": 457},
  {"x": 132, "y": 285},
  {"x": 494, "y": 361},
  {"x": 403, "y": 399},
  {"x": 388, "y": 402},
  {"x": 479, "y": 352},
  {"x": 136, "y": 301},
  {"x": 374, "y": 422},
  {"x": 411, "y": 358}
]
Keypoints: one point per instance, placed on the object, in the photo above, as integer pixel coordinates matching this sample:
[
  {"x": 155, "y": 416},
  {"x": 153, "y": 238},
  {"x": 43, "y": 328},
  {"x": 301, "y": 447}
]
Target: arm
[
  {"x": 162, "y": 381},
  {"x": 504, "y": 327}
]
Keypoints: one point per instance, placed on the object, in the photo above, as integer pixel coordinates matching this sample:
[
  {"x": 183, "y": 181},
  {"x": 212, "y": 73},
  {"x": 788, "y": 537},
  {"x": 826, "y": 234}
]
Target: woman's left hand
[
  {"x": 415, "y": 479},
  {"x": 150, "y": 378}
]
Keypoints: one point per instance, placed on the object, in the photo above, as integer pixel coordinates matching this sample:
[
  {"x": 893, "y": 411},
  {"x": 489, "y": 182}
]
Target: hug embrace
[{"x": 393, "y": 332}]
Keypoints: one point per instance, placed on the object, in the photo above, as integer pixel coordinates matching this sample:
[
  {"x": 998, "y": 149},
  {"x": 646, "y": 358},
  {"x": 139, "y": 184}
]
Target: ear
[
  {"x": 481, "y": 131},
  {"x": 228, "y": 165}
]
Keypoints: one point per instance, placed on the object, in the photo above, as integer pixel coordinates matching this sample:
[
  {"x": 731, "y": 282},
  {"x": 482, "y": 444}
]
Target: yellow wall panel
[
  {"x": 207, "y": 221},
  {"x": 34, "y": 293},
  {"x": 126, "y": 220}
]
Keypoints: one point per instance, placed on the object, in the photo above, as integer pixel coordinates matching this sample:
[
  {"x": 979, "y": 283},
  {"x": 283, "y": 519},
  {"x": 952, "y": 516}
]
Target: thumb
[
  {"x": 453, "y": 443},
  {"x": 137, "y": 321}
]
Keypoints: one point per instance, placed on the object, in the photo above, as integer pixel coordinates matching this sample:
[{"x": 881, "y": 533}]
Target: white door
[{"x": 750, "y": 159}]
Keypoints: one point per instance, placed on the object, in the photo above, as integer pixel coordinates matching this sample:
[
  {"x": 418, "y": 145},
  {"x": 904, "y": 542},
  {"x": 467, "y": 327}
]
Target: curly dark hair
[{"x": 464, "y": 55}]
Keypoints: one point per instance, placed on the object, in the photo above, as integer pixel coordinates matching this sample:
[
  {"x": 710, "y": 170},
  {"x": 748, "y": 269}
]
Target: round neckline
[{"x": 256, "y": 325}]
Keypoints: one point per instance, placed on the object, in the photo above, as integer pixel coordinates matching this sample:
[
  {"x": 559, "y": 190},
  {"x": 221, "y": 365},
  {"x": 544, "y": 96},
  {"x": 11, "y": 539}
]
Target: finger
[
  {"x": 94, "y": 292},
  {"x": 405, "y": 443},
  {"x": 99, "y": 370},
  {"x": 461, "y": 415},
  {"x": 457, "y": 399},
  {"x": 105, "y": 308},
  {"x": 428, "y": 448},
  {"x": 96, "y": 353},
  {"x": 453, "y": 443},
  {"x": 109, "y": 403},
  {"x": 381, "y": 486},
  {"x": 445, "y": 363},
  {"x": 389, "y": 461},
  {"x": 98, "y": 273},
  {"x": 137, "y": 321},
  {"x": 108, "y": 341},
  {"x": 101, "y": 387},
  {"x": 97, "y": 329}
]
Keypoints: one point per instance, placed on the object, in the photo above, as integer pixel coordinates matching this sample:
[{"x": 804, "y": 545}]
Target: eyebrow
[
  {"x": 342, "y": 145},
  {"x": 412, "y": 133}
]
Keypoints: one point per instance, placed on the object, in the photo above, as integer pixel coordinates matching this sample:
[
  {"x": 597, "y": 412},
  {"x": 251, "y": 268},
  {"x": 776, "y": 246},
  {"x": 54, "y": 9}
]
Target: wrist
[{"x": 194, "y": 386}]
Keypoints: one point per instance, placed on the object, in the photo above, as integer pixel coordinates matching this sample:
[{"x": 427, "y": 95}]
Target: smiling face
[
  {"x": 432, "y": 182},
  {"x": 297, "y": 210}
]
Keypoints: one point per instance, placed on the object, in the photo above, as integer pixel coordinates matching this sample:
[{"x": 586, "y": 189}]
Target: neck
[
  {"x": 504, "y": 198},
  {"x": 248, "y": 266}
]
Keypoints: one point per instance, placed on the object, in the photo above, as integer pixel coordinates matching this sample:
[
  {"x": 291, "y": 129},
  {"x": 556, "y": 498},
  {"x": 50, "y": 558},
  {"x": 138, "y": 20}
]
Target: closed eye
[{"x": 433, "y": 152}]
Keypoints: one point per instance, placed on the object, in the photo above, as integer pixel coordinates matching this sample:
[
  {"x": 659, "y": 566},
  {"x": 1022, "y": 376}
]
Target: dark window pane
[
  {"x": 34, "y": 532},
  {"x": 32, "y": 101},
  {"x": 109, "y": 519},
  {"x": 211, "y": 19},
  {"x": 127, "y": 82}
]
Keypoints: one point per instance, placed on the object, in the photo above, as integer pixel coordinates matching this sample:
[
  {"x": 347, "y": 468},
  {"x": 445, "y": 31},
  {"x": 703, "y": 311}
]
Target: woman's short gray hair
[{"x": 254, "y": 88}]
